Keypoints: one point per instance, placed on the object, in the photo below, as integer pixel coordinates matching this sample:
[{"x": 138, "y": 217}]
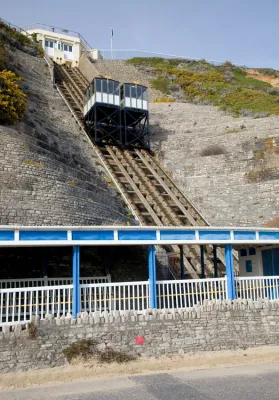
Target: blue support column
[
  {"x": 202, "y": 262},
  {"x": 76, "y": 287},
  {"x": 182, "y": 271},
  {"x": 230, "y": 271},
  {"x": 215, "y": 261},
  {"x": 152, "y": 276}
]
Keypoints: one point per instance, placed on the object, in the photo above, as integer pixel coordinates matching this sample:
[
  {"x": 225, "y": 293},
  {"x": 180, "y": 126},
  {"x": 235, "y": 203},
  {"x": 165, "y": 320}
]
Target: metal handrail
[{"x": 13, "y": 26}]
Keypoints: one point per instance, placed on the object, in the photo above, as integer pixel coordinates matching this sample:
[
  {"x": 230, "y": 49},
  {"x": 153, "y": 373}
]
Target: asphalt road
[{"x": 255, "y": 382}]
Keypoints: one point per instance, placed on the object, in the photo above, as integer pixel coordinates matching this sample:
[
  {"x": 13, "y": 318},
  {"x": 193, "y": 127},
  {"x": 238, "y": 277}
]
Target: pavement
[{"x": 255, "y": 382}]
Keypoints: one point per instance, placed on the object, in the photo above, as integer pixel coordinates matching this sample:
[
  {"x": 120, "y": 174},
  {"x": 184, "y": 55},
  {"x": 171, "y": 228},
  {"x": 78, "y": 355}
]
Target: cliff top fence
[
  {"x": 126, "y": 54},
  {"x": 15, "y": 27}
]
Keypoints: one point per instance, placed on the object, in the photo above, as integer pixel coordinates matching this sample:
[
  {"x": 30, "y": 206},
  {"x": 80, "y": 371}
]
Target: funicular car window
[
  {"x": 110, "y": 87},
  {"x": 104, "y": 86},
  {"x": 116, "y": 88},
  {"x": 139, "y": 92},
  {"x": 98, "y": 85},
  {"x": 127, "y": 90},
  {"x": 144, "y": 93},
  {"x": 133, "y": 92}
]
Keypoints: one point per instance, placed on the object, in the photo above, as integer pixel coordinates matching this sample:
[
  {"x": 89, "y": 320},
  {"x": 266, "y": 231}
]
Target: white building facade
[
  {"x": 259, "y": 261},
  {"x": 61, "y": 45}
]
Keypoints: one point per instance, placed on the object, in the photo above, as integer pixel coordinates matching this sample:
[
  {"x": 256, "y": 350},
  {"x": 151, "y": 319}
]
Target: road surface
[{"x": 255, "y": 382}]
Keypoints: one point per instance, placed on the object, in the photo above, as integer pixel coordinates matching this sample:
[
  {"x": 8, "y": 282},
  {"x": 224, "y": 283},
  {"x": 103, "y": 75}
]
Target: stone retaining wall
[
  {"x": 49, "y": 172},
  {"x": 212, "y": 326}
]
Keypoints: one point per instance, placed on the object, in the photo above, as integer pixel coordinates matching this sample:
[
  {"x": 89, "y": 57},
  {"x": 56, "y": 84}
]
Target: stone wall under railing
[{"x": 212, "y": 326}]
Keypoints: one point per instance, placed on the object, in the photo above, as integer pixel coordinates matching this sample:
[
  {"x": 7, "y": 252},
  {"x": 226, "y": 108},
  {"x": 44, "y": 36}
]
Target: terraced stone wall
[{"x": 49, "y": 173}]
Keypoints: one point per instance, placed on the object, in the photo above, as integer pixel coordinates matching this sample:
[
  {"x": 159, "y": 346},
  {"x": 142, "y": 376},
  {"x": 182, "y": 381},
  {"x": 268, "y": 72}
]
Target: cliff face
[
  {"x": 229, "y": 167},
  {"x": 48, "y": 169},
  {"x": 118, "y": 70}
]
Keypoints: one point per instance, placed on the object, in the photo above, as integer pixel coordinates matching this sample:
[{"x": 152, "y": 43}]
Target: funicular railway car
[
  {"x": 134, "y": 115},
  {"x": 117, "y": 114},
  {"x": 102, "y": 116}
]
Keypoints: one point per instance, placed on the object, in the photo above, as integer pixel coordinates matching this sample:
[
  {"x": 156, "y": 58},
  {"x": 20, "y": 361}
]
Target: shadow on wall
[
  {"x": 124, "y": 263},
  {"x": 158, "y": 135}
]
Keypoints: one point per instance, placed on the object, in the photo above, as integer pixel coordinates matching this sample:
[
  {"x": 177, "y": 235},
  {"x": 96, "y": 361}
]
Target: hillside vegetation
[
  {"x": 200, "y": 82},
  {"x": 13, "y": 100}
]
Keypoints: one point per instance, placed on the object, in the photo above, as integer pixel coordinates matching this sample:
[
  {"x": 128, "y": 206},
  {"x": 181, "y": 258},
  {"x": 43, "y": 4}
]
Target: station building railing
[
  {"x": 19, "y": 304},
  {"x": 46, "y": 281}
]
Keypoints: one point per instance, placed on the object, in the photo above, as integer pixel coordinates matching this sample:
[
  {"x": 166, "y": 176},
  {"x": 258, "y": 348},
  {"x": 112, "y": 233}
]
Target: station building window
[
  {"x": 243, "y": 252},
  {"x": 67, "y": 47},
  {"x": 248, "y": 265},
  {"x": 252, "y": 251},
  {"x": 49, "y": 43}
]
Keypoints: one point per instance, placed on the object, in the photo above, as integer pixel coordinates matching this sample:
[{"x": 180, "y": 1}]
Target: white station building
[{"x": 61, "y": 45}]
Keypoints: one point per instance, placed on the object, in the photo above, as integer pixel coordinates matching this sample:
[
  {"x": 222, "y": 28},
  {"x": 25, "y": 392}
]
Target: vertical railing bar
[
  {"x": 13, "y": 308},
  {"x": 138, "y": 294},
  {"x": 133, "y": 290}
]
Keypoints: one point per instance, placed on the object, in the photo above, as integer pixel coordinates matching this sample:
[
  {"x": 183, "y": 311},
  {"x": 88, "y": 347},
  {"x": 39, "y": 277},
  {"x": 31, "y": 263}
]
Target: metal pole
[
  {"x": 182, "y": 271},
  {"x": 76, "y": 284},
  {"x": 152, "y": 276},
  {"x": 230, "y": 272},
  {"x": 111, "y": 43}
]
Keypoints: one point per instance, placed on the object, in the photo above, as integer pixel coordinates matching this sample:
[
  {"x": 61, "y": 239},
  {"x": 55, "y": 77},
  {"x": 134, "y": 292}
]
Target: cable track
[{"x": 151, "y": 193}]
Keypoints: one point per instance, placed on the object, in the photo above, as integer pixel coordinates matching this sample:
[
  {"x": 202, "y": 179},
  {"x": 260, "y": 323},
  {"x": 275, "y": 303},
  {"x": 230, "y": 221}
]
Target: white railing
[
  {"x": 257, "y": 287},
  {"x": 18, "y": 305},
  {"x": 46, "y": 281},
  {"x": 188, "y": 293},
  {"x": 115, "y": 296}
]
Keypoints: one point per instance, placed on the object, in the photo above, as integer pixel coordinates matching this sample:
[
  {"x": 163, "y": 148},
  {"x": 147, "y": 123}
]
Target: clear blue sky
[{"x": 242, "y": 31}]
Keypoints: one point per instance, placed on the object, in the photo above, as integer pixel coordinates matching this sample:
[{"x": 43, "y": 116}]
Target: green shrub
[
  {"x": 241, "y": 79},
  {"x": 155, "y": 62},
  {"x": 162, "y": 84},
  {"x": 34, "y": 37},
  {"x": 3, "y": 56},
  {"x": 268, "y": 71},
  {"x": 164, "y": 100},
  {"x": 19, "y": 37},
  {"x": 225, "y": 86},
  {"x": 12, "y": 98}
]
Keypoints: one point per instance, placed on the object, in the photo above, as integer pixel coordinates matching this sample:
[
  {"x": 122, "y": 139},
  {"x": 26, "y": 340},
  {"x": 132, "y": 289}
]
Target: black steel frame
[
  {"x": 136, "y": 128},
  {"x": 103, "y": 123}
]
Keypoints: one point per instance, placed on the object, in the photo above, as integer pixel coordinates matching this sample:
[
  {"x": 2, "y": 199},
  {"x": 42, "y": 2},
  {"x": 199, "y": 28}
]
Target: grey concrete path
[{"x": 255, "y": 382}]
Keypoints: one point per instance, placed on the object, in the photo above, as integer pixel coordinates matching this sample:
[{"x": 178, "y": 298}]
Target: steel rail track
[{"x": 147, "y": 188}]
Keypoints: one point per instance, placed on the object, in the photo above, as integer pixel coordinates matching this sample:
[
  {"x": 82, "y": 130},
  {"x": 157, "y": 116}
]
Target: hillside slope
[
  {"x": 229, "y": 167},
  {"x": 49, "y": 174}
]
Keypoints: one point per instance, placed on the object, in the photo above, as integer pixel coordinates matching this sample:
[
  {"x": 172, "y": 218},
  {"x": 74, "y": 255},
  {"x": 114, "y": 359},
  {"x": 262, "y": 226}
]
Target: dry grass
[
  {"x": 87, "y": 349},
  {"x": 213, "y": 151}
]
